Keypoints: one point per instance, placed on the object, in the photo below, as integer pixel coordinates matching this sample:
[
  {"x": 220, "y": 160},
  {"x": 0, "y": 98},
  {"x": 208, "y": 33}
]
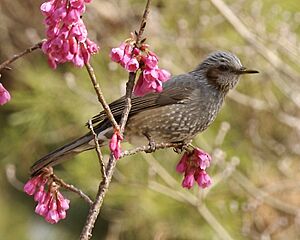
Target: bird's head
[{"x": 223, "y": 69}]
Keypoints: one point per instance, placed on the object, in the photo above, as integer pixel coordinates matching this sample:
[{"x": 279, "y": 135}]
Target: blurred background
[{"x": 254, "y": 141}]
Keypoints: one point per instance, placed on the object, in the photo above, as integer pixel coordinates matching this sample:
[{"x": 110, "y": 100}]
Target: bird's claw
[
  {"x": 152, "y": 144},
  {"x": 178, "y": 150},
  {"x": 183, "y": 147}
]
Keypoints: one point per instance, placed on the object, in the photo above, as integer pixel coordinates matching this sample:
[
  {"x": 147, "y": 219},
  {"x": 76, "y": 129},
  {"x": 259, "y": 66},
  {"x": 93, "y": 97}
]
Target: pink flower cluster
[
  {"x": 51, "y": 203},
  {"x": 193, "y": 165},
  {"x": 115, "y": 144},
  {"x": 132, "y": 59},
  {"x": 67, "y": 39},
  {"x": 4, "y": 95}
]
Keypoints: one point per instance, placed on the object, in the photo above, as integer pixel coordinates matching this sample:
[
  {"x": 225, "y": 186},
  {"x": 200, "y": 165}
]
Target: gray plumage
[{"x": 188, "y": 104}]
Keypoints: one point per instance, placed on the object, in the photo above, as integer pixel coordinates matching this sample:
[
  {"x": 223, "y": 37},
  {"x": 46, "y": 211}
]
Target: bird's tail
[{"x": 57, "y": 156}]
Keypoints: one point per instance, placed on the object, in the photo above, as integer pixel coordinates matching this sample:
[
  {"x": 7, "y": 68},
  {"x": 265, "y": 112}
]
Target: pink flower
[
  {"x": 51, "y": 203},
  {"x": 188, "y": 180},
  {"x": 46, "y": 8},
  {"x": 163, "y": 75},
  {"x": 182, "y": 165},
  {"x": 72, "y": 16},
  {"x": 92, "y": 47},
  {"x": 4, "y": 95},
  {"x": 150, "y": 60},
  {"x": 132, "y": 65},
  {"x": 116, "y": 54},
  {"x": 115, "y": 144},
  {"x": 193, "y": 165},
  {"x": 141, "y": 87},
  {"x": 203, "y": 158},
  {"x": 63, "y": 203},
  {"x": 40, "y": 195},
  {"x": 203, "y": 179},
  {"x": 52, "y": 216},
  {"x": 148, "y": 82},
  {"x": 32, "y": 184},
  {"x": 136, "y": 51},
  {"x": 67, "y": 35},
  {"x": 54, "y": 206},
  {"x": 41, "y": 209},
  {"x": 132, "y": 58},
  {"x": 150, "y": 75},
  {"x": 30, "y": 187},
  {"x": 126, "y": 58}
]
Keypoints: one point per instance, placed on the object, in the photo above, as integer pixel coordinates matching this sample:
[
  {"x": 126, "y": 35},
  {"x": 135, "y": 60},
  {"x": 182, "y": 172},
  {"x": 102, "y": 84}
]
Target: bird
[{"x": 186, "y": 106}]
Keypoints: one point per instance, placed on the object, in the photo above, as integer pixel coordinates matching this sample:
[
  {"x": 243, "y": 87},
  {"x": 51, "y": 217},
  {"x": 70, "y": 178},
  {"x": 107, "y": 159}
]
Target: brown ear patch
[{"x": 212, "y": 74}]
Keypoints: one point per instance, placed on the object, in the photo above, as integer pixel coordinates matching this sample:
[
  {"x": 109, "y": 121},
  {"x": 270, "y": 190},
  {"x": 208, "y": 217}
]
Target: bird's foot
[
  {"x": 184, "y": 147},
  {"x": 152, "y": 144},
  {"x": 179, "y": 149}
]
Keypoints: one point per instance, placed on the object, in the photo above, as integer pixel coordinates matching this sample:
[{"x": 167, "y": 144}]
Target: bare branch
[
  {"x": 101, "y": 98},
  {"x": 103, "y": 187},
  {"x": 98, "y": 150},
  {"x": 72, "y": 189},
  {"x": 5, "y": 64},
  {"x": 148, "y": 148},
  {"x": 144, "y": 21}
]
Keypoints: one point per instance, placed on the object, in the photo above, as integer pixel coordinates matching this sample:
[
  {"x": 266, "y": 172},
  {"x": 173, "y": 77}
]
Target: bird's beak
[{"x": 244, "y": 70}]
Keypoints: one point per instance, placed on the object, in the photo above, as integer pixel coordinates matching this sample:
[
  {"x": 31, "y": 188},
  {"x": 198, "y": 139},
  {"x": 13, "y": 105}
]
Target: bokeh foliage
[{"x": 259, "y": 156}]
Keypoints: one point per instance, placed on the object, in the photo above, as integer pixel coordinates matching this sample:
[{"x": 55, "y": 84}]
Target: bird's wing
[{"x": 177, "y": 94}]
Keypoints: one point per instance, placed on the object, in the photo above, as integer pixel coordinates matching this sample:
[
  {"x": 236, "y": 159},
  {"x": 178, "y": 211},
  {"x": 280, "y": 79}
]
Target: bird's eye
[{"x": 223, "y": 68}]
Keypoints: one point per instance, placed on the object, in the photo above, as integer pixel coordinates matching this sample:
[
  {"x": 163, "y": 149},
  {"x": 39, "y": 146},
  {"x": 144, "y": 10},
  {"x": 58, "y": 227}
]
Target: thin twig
[
  {"x": 72, "y": 188},
  {"x": 5, "y": 64},
  {"x": 127, "y": 107},
  {"x": 143, "y": 22},
  {"x": 94, "y": 211},
  {"x": 98, "y": 150},
  {"x": 103, "y": 187},
  {"x": 100, "y": 95},
  {"x": 132, "y": 75},
  {"x": 148, "y": 148}
]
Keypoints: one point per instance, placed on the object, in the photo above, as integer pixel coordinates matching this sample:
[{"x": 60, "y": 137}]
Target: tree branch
[
  {"x": 148, "y": 148},
  {"x": 5, "y": 64},
  {"x": 98, "y": 150},
  {"x": 103, "y": 187},
  {"x": 100, "y": 95},
  {"x": 72, "y": 189}
]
